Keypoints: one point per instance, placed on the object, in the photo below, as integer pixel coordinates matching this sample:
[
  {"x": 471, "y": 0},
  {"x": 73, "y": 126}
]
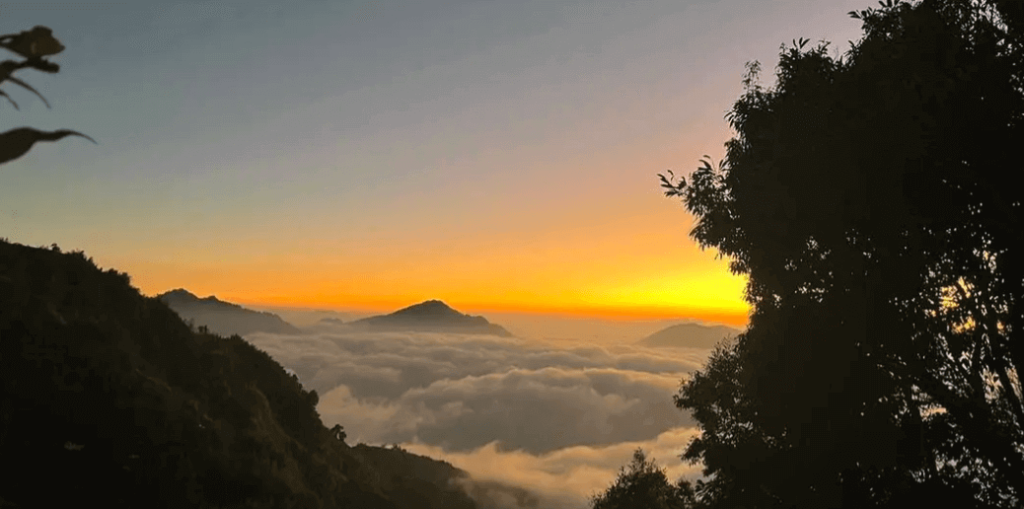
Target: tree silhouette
[
  {"x": 34, "y": 45},
  {"x": 338, "y": 432},
  {"x": 871, "y": 200},
  {"x": 644, "y": 485}
]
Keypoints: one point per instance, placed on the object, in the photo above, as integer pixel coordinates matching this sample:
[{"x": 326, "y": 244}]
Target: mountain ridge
[{"x": 224, "y": 317}]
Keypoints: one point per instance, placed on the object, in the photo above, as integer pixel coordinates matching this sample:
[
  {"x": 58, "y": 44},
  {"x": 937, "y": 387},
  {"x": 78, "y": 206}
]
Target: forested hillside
[{"x": 107, "y": 396}]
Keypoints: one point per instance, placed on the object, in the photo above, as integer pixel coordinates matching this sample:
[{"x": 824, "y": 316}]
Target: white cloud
[
  {"x": 559, "y": 418},
  {"x": 567, "y": 477}
]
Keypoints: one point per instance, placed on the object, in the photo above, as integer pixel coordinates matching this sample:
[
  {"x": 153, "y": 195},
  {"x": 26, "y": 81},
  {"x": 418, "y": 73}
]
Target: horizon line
[
  {"x": 732, "y": 318},
  {"x": 619, "y": 313}
]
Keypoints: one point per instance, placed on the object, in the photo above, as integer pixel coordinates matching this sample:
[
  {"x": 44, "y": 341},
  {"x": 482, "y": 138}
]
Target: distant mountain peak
[
  {"x": 693, "y": 335},
  {"x": 178, "y": 294},
  {"x": 183, "y": 296},
  {"x": 223, "y": 317},
  {"x": 430, "y": 307},
  {"x": 433, "y": 315}
]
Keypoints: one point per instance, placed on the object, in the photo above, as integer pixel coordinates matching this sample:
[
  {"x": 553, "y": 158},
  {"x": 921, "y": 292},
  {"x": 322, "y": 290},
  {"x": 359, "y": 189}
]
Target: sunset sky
[{"x": 497, "y": 155}]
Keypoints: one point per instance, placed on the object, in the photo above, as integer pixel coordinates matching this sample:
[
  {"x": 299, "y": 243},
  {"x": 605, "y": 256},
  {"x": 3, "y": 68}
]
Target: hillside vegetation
[{"x": 110, "y": 399}]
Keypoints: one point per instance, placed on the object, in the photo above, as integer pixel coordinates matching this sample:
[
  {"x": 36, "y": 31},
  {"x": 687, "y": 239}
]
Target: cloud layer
[
  {"x": 565, "y": 478},
  {"x": 559, "y": 417}
]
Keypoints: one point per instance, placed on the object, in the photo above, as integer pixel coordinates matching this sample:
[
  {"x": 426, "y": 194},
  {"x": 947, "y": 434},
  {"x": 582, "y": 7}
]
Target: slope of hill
[
  {"x": 432, "y": 316},
  {"x": 690, "y": 335},
  {"x": 415, "y": 481},
  {"x": 223, "y": 317},
  {"x": 108, "y": 397}
]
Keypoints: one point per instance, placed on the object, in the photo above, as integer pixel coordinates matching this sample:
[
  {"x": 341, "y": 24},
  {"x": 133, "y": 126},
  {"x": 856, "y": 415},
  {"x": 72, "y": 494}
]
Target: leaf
[
  {"x": 43, "y": 65},
  {"x": 9, "y": 99},
  {"x": 17, "y": 142},
  {"x": 29, "y": 87},
  {"x": 38, "y": 42}
]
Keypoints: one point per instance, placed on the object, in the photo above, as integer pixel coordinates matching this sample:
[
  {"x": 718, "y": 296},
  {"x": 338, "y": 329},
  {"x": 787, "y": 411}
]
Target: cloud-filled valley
[{"x": 558, "y": 417}]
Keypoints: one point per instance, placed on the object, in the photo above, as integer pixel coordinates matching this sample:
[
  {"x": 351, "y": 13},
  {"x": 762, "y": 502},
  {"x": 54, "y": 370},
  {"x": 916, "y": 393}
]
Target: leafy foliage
[
  {"x": 644, "y": 485},
  {"x": 869, "y": 200},
  {"x": 34, "y": 45}
]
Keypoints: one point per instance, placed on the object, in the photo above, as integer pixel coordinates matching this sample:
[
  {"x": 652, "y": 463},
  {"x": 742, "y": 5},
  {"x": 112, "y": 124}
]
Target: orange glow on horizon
[
  {"x": 729, "y": 316},
  {"x": 607, "y": 255}
]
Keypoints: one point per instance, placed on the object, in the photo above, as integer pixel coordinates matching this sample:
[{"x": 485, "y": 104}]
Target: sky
[{"x": 499, "y": 156}]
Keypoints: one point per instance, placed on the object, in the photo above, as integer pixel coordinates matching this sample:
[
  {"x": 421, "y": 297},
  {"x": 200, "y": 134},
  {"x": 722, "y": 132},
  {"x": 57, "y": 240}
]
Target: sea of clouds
[{"x": 559, "y": 418}]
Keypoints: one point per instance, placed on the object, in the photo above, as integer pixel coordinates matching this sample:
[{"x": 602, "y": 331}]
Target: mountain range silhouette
[{"x": 224, "y": 317}]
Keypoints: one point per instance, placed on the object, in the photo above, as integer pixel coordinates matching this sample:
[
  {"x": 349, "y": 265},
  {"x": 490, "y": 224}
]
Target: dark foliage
[
  {"x": 415, "y": 481},
  {"x": 872, "y": 201},
  {"x": 644, "y": 485},
  {"x": 34, "y": 46},
  {"x": 110, "y": 399}
]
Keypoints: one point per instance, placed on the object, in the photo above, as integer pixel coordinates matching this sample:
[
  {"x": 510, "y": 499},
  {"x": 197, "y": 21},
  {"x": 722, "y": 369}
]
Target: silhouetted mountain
[
  {"x": 689, "y": 335},
  {"x": 108, "y": 398},
  {"x": 432, "y": 316},
  {"x": 224, "y": 317}
]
